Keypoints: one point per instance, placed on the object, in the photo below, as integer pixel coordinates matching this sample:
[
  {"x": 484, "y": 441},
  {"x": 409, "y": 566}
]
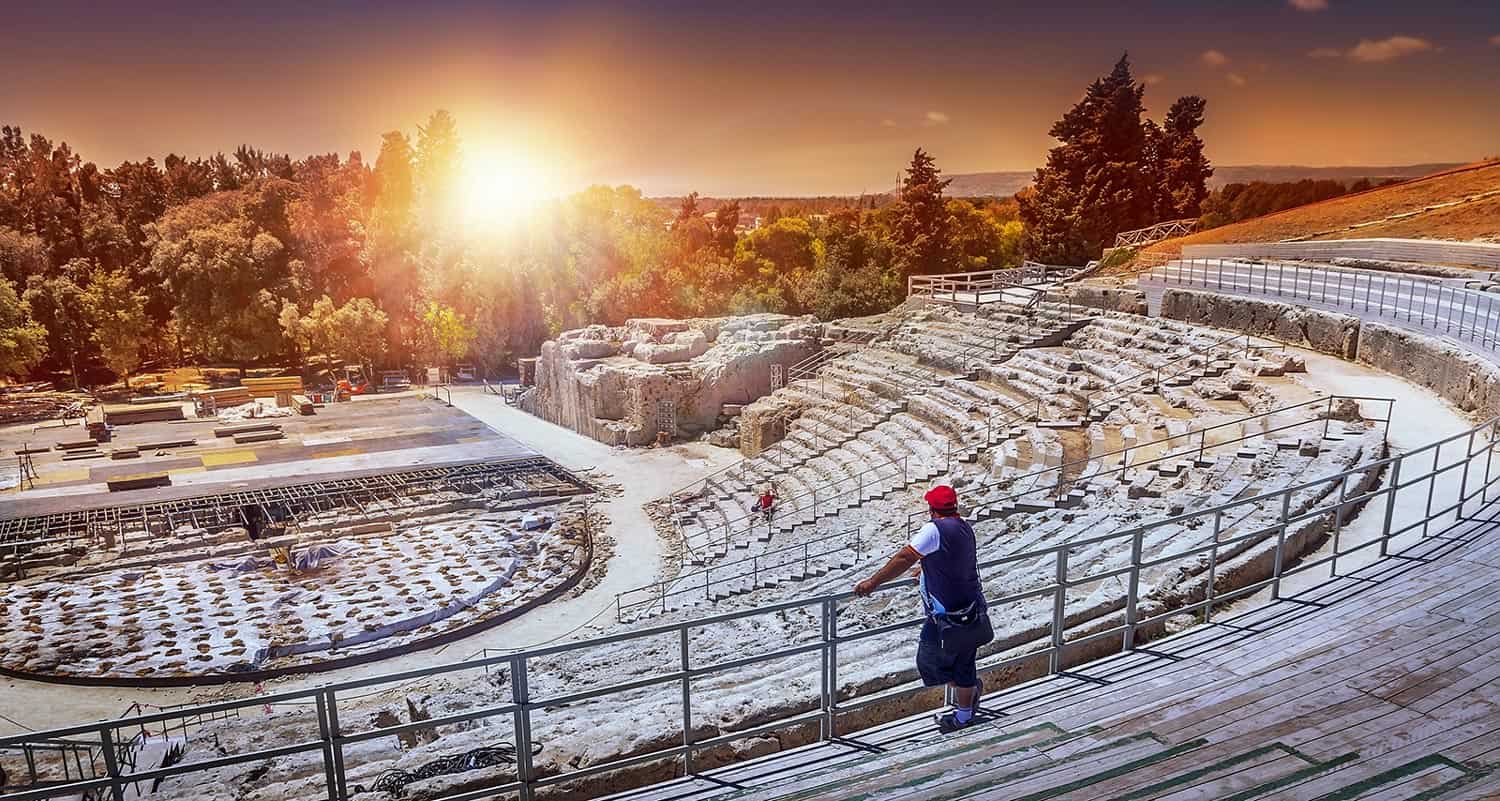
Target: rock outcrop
[
  {"x": 623, "y": 384},
  {"x": 1326, "y": 332}
]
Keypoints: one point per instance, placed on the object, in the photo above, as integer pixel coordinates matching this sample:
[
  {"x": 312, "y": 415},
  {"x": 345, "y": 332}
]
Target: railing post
[
  {"x": 1132, "y": 592},
  {"x": 1213, "y": 569},
  {"x": 1338, "y": 524},
  {"x": 1059, "y": 601},
  {"x": 1437, "y": 451},
  {"x": 330, "y": 777},
  {"x": 111, "y": 763},
  {"x": 1390, "y": 506},
  {"x": 1463, "y": 484},
  {"x": 520, "y": 695},
  {"x": 1286, "y": 512},
  {"x": 828, "y": 729},
  {"x": 687, "y": 703},
  {"x": 336, "y": 745}
]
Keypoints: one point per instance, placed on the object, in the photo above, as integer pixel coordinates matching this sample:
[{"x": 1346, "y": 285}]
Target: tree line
[{"x": 260, "y": 258}]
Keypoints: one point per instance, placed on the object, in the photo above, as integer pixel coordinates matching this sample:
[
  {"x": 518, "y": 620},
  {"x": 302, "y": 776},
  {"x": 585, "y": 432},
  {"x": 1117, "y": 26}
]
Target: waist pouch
[{"x": 967, "y": 628}]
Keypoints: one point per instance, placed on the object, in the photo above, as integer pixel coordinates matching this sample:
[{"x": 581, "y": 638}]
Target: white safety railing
[{"x": 1430, "y": 304}]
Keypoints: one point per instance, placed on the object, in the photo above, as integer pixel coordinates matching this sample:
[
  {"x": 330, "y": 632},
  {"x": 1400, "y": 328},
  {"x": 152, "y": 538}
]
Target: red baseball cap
[{"x": 942, "y": 498}]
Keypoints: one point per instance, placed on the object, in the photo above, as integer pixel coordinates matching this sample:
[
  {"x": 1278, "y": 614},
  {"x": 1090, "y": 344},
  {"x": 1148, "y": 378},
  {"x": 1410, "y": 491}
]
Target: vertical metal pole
[
  {"x": 1390, "y": 506},
  {"x": 1286, "y": 512},
  {"x": 111, "y": 763},
  {"x": 330, "y": 779},
  {"x": 1463, "y": 484},
  {"x": 1338, "y": 524},
  {"x": 1059, "y": 600},
  {"x": 520, "y": 695},
  {"x": 1213, "y": 569},
  {"x": 828, "y": 686},
  {"x": 687, "y": 703},
  {"x": 1431, "y": 487},
  {"x": 1132, "y": 592},
  {"x": 1280, "y": 273},
  {"x": 331, "y": 709}
]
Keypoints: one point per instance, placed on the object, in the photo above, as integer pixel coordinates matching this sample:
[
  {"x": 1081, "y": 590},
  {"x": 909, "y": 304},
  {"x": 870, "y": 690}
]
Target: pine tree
[
  {"x": 1096, "y": 183},
  {"x": 922, "y": 224},
  {"x": 1180, "y": 169}
]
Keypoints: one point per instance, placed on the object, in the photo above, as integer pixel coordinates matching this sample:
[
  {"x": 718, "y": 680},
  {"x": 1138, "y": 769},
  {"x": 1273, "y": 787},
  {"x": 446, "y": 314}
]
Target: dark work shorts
[{"x": 944, "y": 665}]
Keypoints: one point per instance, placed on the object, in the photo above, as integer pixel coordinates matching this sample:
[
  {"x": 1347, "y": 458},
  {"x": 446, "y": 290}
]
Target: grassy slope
[{"x": 1331, "y": 219}]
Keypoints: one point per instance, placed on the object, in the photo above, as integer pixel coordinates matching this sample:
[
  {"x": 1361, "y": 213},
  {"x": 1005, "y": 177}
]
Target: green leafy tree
[
  {"x": 58, "y": 303},
  {"x": 121, "y": 327},
  {"x": 23, "y": 341},
  {"x": 448, "y": 335},
  {"x": 438, "y": 161}
]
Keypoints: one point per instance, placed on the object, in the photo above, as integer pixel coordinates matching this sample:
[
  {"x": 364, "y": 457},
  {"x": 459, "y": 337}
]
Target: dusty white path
[
  {"x": 1419, "y": 418},
  {"x": 644, "y": 475}
]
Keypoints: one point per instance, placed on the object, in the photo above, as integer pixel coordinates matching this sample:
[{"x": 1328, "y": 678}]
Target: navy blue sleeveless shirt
[{"x": 950, "y": 567}]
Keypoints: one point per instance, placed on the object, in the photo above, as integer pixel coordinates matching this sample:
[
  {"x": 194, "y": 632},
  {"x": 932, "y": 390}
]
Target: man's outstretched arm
[{"x": 900, "y": 563}]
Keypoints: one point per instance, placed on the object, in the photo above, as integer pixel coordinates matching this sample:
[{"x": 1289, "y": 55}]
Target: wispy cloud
[
  {"x": 1235, "y": 79},
  {"x": 935, "y": 118},
  {"x": 1214, "y": 58},
  {"x": 1375, "y": 51},
  {"x": 887, "y": 123},
  {"x": 1153, "y": 78},
  {"x": 1308, "y": 5},
  {"x": 1495, "y": 40}
]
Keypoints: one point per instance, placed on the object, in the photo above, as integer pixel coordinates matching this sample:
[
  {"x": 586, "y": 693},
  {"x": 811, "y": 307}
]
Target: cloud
[
  {"x": 1214, "y": 58},
  {"x": 1235, "y": 79},
  {"x": 1308, "y": 5},
  {"x": 1371, "y": 52},
  {"x": 1153, "y": 78},
  {"x": 887, "y": 123},
  {"x": 1495, "y": 40},
  {"x": 935, "y": 118},
  {"x": 1378, "y": 50}
]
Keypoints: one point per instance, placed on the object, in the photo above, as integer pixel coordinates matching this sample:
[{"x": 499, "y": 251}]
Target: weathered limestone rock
[
  {"x": 1109, "y": 295},
  {"x": 1323, "y": 331},
  {"x": 621, "y": 385},
  {"x": 1462, "y": 378}
]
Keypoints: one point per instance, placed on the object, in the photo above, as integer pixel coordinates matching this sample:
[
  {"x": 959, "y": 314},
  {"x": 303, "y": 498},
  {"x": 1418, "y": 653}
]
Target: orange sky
[{"x": 753, "y": 98}]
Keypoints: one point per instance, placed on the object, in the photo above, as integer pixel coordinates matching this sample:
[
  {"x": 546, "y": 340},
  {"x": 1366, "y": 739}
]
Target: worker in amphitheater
[{"x": 957, "y": 617}]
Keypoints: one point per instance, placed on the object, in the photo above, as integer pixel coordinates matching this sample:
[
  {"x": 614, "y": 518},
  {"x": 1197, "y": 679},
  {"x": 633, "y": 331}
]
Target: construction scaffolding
[{"x": 114, "y": 526}]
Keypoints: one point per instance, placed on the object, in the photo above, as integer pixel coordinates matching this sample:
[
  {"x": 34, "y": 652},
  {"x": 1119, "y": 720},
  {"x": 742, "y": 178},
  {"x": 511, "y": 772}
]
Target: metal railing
[
  {"x": 1428, "y": 303},
  {"x": 1222, "y": 349},
  {"x": 1307, "y": 512},
  {"x": 1027, "y": 280},
  {"x": 658, "y": 597},
  {"x": 1156, "y": 233}
]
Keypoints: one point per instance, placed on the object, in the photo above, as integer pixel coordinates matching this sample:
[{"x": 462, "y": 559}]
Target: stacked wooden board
[
  {"x": 268, "y": 387},
  {"x": 125, "y": 413},
  {"x": 302, "y": 404},
  {"x": 138, "y": 482},
  {"x": 228, "y": 396}
]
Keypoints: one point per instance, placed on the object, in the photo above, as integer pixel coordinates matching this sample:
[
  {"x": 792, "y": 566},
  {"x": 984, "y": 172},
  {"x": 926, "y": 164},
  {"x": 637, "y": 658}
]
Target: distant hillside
[
  {"x": 1001, "y": 184},
  {"x": 1459, "y": 204}
]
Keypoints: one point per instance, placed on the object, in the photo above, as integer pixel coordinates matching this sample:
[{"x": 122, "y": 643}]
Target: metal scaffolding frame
[{"x": 527, "y": 477}]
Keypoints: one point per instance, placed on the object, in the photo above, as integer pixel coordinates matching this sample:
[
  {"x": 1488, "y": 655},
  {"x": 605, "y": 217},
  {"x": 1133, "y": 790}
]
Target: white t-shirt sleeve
[{"x": 926, "y": 541}]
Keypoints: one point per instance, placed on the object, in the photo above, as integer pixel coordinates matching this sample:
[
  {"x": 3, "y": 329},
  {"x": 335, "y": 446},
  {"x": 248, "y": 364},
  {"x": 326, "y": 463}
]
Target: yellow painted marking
[
  {"x": 180, "y": 470},
  {"x": 473, "y": 439},
  {"x": 343, "y": 452},
  {"x": 218, "y": 458},
  {"x": 60, "y": 476}
]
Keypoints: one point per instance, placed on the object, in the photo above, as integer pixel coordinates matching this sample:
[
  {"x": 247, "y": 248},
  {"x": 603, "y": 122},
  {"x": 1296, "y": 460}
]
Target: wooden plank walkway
[{"x": 1383, "y": 684}]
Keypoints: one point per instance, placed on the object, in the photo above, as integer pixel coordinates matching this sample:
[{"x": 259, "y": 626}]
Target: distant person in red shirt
[{"x": 766, "y": 504}]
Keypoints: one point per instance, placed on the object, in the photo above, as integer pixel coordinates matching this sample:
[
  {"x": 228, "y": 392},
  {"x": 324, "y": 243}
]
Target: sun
[{"x": 501, "y": 185}]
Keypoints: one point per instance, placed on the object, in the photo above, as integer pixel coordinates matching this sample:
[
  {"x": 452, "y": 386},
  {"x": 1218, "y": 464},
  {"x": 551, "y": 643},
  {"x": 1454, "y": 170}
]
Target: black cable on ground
[{"x": 394, "y": 781}]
